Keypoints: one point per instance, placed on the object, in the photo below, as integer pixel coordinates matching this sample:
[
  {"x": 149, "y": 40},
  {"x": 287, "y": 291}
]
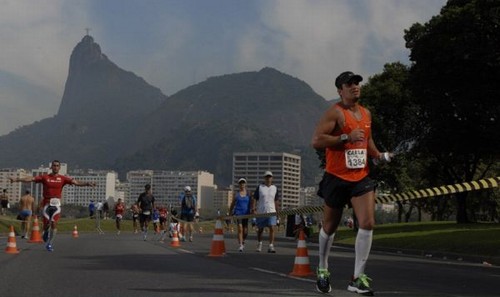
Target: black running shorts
[{"x": 338, "y": 192}]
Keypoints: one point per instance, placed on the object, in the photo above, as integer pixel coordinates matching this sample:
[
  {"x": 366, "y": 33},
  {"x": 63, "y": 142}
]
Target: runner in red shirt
[
  {"x": 53, "y": 184},
  {"x": 119, "y": 210},
  {"x": 163, "y": 222}
]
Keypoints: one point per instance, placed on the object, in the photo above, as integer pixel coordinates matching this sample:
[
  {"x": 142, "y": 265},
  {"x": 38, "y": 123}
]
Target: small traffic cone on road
[
  {"x": 301, "y": 266},
  {"x": 11, "y": 242},
  {"x": 75, "y": 232},
  {"x": 175, "y": 240},
  {"x": 35, "y": 237},
  {"x": 218, "y": 247}
]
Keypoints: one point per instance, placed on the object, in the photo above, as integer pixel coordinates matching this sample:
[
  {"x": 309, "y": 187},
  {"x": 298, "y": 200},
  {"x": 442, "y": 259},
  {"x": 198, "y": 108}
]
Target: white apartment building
[
  {"x": 122, "y": 191},
  {"x": 309, "y": 197},
  {"x": 284, "y": 166},
  {"x": 14, "y": 190},
  {"x": 104, "y": 190},
  {"x": 137, "y": 179},
  {"x": 168, "y": 185},
  {"x": 221, "y": 201}
]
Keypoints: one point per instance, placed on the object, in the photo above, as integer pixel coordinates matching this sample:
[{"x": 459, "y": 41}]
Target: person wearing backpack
[{"x": 188, "y": 211}]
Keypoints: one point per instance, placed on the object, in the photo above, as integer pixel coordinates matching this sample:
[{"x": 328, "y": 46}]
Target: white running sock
[
  {"x": 362, "y": 248},
  {"x": 52, "y": 235},
  {"x": 325, "y": 243}
]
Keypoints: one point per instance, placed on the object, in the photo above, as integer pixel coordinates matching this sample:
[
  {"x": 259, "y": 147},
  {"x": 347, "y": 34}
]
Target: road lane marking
[{"x": 283, "y": 275}]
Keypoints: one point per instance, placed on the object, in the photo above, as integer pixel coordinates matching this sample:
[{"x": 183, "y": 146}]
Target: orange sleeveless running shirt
[{"x": 350, "y": 161}]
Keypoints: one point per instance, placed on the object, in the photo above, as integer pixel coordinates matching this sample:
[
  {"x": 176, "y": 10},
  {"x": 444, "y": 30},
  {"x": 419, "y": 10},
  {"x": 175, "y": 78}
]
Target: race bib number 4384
[{"x": 355, "y": 158}]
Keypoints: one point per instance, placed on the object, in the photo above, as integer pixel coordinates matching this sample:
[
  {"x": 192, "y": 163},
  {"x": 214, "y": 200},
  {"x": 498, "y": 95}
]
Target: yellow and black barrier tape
[
  {"x": 481, "y": 184},
  {"x": 487, "y": 183}
]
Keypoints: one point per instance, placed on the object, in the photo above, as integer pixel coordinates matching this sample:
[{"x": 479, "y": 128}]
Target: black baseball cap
[{"x": 347, "y": 77}]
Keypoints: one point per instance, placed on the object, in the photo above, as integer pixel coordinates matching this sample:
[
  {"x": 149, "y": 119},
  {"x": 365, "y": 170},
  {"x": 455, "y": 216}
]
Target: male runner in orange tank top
[{"x": 344, "y": 132}]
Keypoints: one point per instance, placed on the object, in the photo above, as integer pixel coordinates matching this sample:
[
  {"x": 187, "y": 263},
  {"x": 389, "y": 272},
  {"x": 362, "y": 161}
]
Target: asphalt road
[{"x": 125, "y": 265}]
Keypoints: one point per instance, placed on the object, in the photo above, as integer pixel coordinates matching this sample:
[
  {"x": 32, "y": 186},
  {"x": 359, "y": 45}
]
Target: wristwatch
[{"x": 344, "y": 138}]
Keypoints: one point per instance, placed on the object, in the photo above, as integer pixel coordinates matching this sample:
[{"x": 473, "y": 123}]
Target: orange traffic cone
[
  {"x": 218, "y": 247},
  {"x": 175, "y": 240},
  {"x": 75, "y": 232},
  {"x": 35, "y": 232},
  {"x": 301, "y": 266},
  {"x": 11, "y": 242}
]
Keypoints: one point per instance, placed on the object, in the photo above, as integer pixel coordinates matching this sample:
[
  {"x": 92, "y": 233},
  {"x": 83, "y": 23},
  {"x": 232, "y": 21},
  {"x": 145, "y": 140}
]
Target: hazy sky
[{"x": 174, "y": 44}]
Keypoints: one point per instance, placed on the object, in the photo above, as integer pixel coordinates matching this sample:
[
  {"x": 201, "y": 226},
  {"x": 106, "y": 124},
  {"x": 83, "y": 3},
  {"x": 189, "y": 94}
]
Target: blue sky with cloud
[{"x": 174, "y": 44}]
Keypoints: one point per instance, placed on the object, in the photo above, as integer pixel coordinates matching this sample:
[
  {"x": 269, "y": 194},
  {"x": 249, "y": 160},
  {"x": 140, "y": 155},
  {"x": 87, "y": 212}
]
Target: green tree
[
  {"x": 395, "y": 124},
  {"x": 455, "y": 73}
]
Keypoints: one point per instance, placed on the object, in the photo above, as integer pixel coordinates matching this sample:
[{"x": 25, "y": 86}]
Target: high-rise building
[
  {"x": 168, "y": 185},
  {"x": 284, "y": 166},
  {"x": 222, "y": 199},
  {"x": 14, "y": 190},
  {"x": 122, "y": 191},
  {"x": 137, "y": 179},
  {"x": 309, "y": 197},
  {"x": 104, "y": 190}
]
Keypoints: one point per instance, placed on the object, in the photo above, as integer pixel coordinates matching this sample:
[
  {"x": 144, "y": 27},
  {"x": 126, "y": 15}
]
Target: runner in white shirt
[{"x": 266, "y": 197}]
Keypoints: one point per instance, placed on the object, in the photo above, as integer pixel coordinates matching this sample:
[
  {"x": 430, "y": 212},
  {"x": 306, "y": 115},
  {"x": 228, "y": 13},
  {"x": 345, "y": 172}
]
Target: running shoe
[
  {"x": 191, "y": 238},
  {"x": 323, "y": 281},
  {"x": 241, "y": 248},
  {"x": 361, "y": 285},
  {"x": 45, "y": 235},
  {"x": 259, "y": 247},
  {"x": 49, "y": 248},
  {"x": 271, "y": 249}
]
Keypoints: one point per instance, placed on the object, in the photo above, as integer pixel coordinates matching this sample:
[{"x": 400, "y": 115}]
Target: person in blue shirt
[
  {"x": 156, "y": 220},
  {"x": 91, "y": 209},
  {"x": 241, "y": 206},
  {"x": 188, "y": 211}
]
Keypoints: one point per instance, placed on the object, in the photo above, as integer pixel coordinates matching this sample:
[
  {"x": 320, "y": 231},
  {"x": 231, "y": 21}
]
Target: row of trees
[{"x": 441, "y": 113}]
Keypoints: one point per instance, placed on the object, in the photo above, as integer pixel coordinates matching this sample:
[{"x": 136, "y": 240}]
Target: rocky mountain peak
[
  {"x": 85, "y": 52},
  {"x": 97, "y": 89}
]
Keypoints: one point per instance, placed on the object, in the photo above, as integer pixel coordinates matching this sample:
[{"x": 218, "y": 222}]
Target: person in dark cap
[
  {"x": 347, "y": 77},
  {"x": 344, "y": 132}
]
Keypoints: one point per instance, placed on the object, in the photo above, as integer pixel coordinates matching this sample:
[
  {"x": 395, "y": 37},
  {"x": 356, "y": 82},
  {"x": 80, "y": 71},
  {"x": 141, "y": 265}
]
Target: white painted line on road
[
  {"x": 283, "y": 275},
  {"x": 186, "y": 251}
]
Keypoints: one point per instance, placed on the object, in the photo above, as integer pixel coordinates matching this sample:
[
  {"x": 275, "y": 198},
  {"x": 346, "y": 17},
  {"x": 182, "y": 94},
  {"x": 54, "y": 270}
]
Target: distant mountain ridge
[{"x": 110, "y": 118}]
